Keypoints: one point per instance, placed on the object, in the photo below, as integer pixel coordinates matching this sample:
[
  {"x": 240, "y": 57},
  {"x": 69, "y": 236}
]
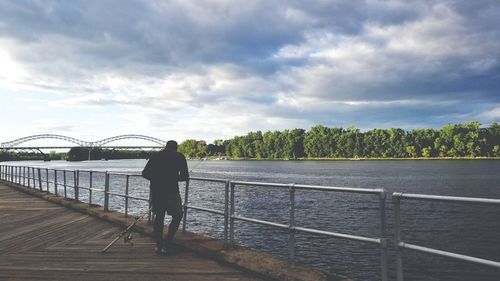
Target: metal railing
[
  {"x": 43, "y": 179},
  {"x": 230, "y": 217},
  {"x": 31, "y": 177},
  {"x": 18, "y": 174},
  {"x": 397, "y": 197}
]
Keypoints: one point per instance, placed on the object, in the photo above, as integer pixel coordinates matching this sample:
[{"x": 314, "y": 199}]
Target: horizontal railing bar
[
  {"x": 205, "y": 209},
  {"x": 448, "y": 254},
  {"x": 340, "y": 235},
  {"x": 125, "y": 196},
  {"x": 312, "y": 187},
  {"x": 340, "y": 189},
  {"x": 426, "y": 197},
  {"x": 123, "y": 174},
  {"x": 249, "y": 183},
  {"x": 261, "y": 222},
  {"x": 313, "y": 231},
  {"x": 207, "y": 179}
]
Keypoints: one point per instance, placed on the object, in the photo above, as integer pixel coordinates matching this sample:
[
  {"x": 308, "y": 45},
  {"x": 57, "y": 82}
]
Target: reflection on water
[{"x": 465, "y": 229}]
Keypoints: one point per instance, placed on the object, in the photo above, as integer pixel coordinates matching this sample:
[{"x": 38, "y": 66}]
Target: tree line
[{"x": 452, "y": 140}]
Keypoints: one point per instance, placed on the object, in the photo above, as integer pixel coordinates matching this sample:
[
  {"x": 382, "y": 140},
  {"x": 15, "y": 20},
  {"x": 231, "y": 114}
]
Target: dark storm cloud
[{"x": 333, "y": 62}]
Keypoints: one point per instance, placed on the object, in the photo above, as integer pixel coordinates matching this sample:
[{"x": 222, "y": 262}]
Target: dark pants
[{"x": 174, "y": 208}]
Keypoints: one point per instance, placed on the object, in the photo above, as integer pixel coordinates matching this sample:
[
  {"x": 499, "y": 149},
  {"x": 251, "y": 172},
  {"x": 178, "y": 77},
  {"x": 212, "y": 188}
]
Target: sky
[{"x": 210, "y": 70}]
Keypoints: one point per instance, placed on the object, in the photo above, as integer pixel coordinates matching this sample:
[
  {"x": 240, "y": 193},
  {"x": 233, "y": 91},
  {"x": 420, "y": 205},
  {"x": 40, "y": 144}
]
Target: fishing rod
[
  {"x": 126, "y": 233},
  {"x": 196, "y": 165}
]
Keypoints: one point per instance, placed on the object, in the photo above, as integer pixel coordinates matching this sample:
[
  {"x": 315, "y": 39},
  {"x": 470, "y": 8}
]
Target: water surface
[{"x": 466, "y": 229}]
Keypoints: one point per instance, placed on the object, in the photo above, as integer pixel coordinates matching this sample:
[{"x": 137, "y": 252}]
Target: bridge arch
[
  {"x": 18, "y": 141},
  {"x": 95, "y": 144},
  {"x": 121, "y": 137}
]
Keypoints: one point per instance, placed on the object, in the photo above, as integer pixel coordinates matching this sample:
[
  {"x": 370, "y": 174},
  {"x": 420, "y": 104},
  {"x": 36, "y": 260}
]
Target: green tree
[
  {"x": 192, "y": 148},
  {"x": 317, "y": 141},
  {"x": 349, "y": 142},
  {"x": 294, "y": 143}
]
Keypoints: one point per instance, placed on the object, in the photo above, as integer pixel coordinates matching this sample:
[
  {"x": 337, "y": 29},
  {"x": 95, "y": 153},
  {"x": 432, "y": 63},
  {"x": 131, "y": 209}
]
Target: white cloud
[{"x": 209, "y": 69}]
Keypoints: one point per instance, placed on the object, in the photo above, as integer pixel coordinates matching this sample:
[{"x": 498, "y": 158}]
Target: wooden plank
[{"x": 43, "y": 241}]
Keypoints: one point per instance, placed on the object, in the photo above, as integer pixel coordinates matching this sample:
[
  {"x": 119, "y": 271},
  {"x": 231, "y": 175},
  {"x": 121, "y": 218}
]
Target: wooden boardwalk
[{"x": 40, "y": 240}]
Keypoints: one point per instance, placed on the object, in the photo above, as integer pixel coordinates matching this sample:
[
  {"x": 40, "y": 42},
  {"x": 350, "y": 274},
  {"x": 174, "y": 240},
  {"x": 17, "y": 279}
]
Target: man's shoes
[
  {"x": 159, "y": 251},
  {"x": 162, "y": 252}
]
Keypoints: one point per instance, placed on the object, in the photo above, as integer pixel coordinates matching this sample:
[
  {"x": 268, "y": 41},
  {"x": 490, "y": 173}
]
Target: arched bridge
[{"x": 87, "y": 144}]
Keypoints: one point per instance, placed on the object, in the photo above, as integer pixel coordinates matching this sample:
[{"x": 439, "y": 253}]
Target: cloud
[{"x": 216, "y": 69}]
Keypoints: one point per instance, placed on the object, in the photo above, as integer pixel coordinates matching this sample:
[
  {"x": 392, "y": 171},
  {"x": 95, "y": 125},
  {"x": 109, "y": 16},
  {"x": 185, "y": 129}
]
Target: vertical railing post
[
  {"x": 76, "y": 179},
  {"x": 383, "y": 237},
  {"x": 291, "y": 226},
  {"x": 226, "y": 213},
  {"x": 65, "y": 184},
  {"x": 34, "y": 178},
  {"x": 55, "y": 183},
  {"x": 90, "y": 188},
  {"x": 397, "y": 229},
  {"x": 40, "y": 179},
  {"x": 29, "y": 177},
  {"x": 74, "y": 184},
  {"x": 126, "y": 194},
  {"x": 186, "y": 197},
  {"x": 106, "y": 192},
  {"x": 231, "y": 213},
  {"x": 24, "y": 175},
  {"x": 149, "y": 206},
  {"x": 11, "y": 173},
  {"x": 47, "y": 179}
]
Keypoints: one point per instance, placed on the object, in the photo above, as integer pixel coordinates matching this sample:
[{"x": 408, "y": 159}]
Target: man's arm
[
  {"x": 183, "y": 173},
  {"x": 147, "y": 173}
]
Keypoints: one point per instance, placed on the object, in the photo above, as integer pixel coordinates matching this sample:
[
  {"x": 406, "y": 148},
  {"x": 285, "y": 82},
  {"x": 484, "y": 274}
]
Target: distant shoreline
[{"x": 346, "y": 159}]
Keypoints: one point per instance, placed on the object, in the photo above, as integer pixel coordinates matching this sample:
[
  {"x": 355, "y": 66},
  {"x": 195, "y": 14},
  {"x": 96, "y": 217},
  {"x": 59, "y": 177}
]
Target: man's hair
[{"x": 172, "y": 145}]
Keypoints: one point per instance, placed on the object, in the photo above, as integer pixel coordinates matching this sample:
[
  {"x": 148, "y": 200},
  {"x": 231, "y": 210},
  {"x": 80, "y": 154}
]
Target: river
[{"x": 465, "y": 229}]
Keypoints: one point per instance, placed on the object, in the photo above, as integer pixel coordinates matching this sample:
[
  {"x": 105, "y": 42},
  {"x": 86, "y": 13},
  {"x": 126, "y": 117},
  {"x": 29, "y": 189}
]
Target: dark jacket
[{"x": 164, "y": 170}]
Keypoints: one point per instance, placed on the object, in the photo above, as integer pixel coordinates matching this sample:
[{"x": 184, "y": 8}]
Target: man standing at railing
[{"x": 164, "y": 170}]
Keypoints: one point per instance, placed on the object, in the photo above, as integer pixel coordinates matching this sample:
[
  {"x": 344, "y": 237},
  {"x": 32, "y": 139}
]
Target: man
[{"x": 164, "y": 170}]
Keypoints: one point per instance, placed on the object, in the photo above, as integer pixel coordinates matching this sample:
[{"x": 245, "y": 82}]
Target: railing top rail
[
  {"x": 313, "y": 187},
  {"x": 208, "y": 179},
  {"x": 425, "y": 197},
  {"x": 125, "y": 174}
]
